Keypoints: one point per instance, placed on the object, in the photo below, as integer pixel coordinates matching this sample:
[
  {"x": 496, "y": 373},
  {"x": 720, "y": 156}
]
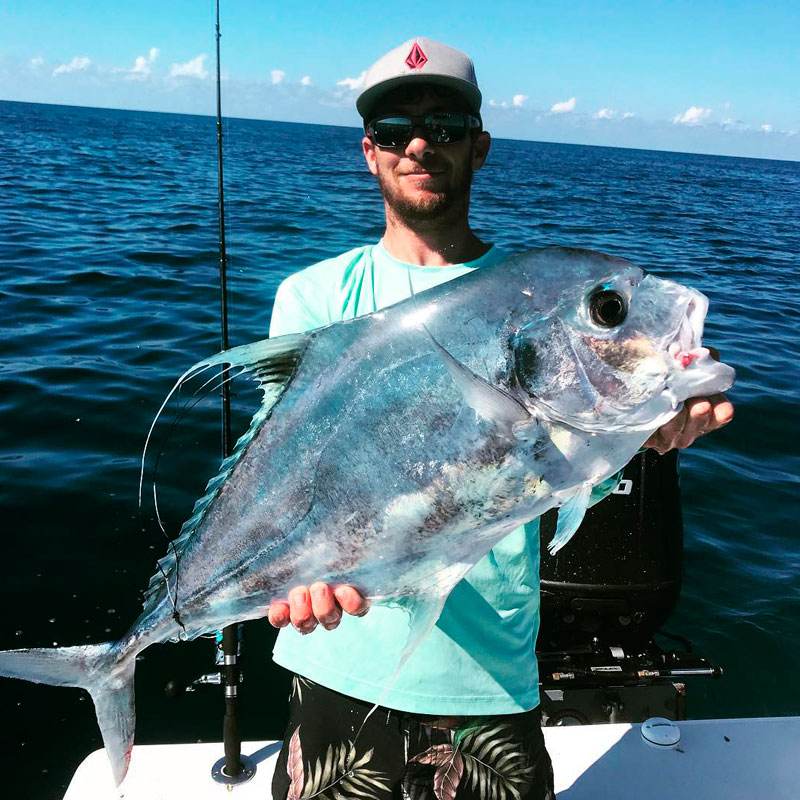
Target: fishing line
[
  {"x": 180, "y": 413},
  {"x": 191, "y": 372},
  {"x": 160, "y": 452},
  {"x": 170, "y": 543}
]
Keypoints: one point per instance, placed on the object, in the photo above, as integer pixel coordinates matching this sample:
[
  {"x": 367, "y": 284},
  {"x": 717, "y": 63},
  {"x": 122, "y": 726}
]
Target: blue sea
[{"x": 109, "y": 291}]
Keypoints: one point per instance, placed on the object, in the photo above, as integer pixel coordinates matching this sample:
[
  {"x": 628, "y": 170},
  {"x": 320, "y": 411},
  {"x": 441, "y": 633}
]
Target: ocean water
[{"x": 108, "y": 291}]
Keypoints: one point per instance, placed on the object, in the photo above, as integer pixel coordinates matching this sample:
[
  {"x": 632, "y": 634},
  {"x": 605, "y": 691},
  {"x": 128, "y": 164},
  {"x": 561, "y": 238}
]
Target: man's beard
[{"x": 436, "y": 206}]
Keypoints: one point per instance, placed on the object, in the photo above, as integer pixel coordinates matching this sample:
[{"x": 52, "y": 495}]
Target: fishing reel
[{"x": 177, "y": 688}]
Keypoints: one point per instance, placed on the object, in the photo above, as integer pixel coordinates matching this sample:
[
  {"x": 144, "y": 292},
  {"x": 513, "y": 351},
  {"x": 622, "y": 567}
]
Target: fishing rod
[{"x": 233, "y": 768}]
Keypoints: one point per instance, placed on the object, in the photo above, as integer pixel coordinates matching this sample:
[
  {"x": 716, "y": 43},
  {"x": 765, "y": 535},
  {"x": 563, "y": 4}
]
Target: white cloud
[
  {"x": 605, "y": 113},
  {"x": 353, "y": 83},
  {"x": 141, "y": 67},
  {"x": 518, "y": 100},
  {"x": 305, "y": 80},
  {"x": 77, "y": 64},
  {"x": 564, "y": 107},
  {"x": 498, "y": 103},
  {"x": 692, "y": 116},
  {"x": 738, "y": 126},
  {"x": 191, "y": 69},
  {"x": 628, "y": 115},
  {"x": 277, "y": 76},
  {"x": 37, "y": 62}
]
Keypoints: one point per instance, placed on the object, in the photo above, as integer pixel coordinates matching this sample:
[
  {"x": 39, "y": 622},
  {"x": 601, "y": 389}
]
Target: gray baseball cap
[{"x": 423, "y": 60}]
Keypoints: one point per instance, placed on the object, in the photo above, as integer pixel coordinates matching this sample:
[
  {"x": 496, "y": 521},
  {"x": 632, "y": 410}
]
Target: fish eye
[{"x": 608, "y": 308}]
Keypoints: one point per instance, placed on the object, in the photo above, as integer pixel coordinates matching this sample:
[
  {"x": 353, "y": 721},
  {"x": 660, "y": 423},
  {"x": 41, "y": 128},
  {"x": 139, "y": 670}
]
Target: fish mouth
[
  {"x": 695, "y": 372},
  {"x": 689, "y": 334}
]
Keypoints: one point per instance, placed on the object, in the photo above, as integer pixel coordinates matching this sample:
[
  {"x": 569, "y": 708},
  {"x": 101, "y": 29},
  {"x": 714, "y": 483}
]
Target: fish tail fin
[{"x": 104, "y": 670}]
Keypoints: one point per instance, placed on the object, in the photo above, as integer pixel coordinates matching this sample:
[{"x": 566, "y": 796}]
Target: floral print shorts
[{"x": 339, "y": 748}]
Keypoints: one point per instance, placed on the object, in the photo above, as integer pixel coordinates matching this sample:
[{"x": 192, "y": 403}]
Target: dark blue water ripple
[{"x": 109, "y": 291}]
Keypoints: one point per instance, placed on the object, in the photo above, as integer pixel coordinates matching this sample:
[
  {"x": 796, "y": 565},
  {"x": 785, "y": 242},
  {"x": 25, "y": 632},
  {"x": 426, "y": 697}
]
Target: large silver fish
[{"x": 394, "y": 450}]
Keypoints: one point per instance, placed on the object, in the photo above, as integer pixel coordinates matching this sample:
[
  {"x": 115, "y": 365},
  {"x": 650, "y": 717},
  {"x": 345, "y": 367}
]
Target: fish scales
[{"x": 394, "y": 450}]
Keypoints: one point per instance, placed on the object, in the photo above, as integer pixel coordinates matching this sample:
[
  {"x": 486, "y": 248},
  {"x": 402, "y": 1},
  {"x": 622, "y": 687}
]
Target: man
[{"x": 462, "y": 713}]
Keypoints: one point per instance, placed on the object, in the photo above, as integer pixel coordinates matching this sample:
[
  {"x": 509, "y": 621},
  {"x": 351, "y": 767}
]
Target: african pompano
[{"x": 394, "y": 450}]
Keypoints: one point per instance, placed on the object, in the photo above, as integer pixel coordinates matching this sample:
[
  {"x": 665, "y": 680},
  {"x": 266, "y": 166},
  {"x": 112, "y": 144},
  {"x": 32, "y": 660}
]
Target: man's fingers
[
  {"x": 663, "y": 440},
  {"x": 324, "y": 606},
  {"x": 317, "y": 604},
  {"x": 655, "y": 442},
  {"x": 351, "y": 600},
  {"x": 705, "y": 414},
  {"x": 278, "y": 614},
  {"x": 699, "y": 409},
  {"x": 300, "y": 611},
  {"x": 698, "y": 417},
  {"x": 723, "y": 410}
]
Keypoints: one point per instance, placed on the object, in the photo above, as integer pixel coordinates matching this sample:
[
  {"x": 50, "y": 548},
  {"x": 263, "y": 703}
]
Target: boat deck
[{"x": 735, "y": 759}]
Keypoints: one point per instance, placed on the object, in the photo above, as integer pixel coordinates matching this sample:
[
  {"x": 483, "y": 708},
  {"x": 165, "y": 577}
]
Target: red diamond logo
[{"x": 416, "y": 59}]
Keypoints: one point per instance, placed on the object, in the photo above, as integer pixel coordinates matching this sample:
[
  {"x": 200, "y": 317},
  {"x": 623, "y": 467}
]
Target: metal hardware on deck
[
  {"x": 212, "y": 678},
  {"x": 248, "y": 769},
  {"x": 596, "y": 683}
]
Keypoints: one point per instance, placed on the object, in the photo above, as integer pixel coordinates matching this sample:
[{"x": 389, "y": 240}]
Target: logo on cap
[{"x": 416, "y": 59}]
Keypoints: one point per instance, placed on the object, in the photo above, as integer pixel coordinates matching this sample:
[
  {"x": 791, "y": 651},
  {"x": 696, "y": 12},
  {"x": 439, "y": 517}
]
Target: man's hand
[
  {"x": 700, "y": 415},
  {"x": 317, "y": 604}
]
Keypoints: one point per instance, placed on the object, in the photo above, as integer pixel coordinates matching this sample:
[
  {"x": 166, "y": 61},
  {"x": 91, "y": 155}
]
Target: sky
[{"x": 720, "y": 77}]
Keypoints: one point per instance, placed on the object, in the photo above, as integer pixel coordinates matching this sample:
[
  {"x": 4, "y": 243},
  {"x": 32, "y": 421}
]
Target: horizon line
[{"x": 353, "y": 127}]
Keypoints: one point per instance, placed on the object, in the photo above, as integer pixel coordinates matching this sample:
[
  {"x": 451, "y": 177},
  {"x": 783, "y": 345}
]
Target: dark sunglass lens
[
  {"x": 392, "y": 131},
  {"x": 445, "y": 127}
]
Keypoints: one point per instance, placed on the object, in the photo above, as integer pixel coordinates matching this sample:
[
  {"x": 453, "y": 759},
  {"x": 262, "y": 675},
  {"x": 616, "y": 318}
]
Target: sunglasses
[{"x": 440, "y": 127}]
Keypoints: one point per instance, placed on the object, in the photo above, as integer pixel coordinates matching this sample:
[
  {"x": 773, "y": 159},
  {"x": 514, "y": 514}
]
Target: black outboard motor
[
  {"x": 603, "y": 598},
  {"x": 620, "y": 577}
]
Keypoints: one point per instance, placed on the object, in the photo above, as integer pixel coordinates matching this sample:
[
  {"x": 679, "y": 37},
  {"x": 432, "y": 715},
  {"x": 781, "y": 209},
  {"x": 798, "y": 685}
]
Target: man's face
[{"x": 423, "y": 181}]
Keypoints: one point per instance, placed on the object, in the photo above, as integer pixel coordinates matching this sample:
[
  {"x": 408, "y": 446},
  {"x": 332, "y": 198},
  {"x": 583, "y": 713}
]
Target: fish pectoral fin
[
  {"x": 570, "y": 516},
  {"x": 423, "y": 613},
  {"x": 489, "y": 402}
]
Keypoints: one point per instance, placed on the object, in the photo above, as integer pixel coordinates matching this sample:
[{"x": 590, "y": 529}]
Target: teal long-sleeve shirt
[{"x": 480, "y": 656}]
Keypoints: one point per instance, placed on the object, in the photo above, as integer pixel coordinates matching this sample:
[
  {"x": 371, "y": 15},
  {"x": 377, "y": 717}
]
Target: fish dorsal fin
[
  {"x": 273, "y": 363},
  {"x": 570, "y": 516},
  {"x": 489, "y": 402}
]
